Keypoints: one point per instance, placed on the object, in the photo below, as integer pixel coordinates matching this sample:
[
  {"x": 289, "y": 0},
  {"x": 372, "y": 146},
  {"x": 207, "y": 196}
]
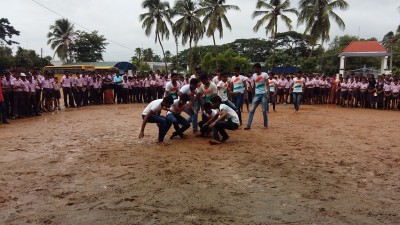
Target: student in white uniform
[
  {"x": 151, "y": 114},
  {"x": 226, "y": 119},
  {"x": 208, "y": 116},
  {"x": 175, "y": 117},
  {"x": 297, "y": 88},
  {"x": 261, "y": 90}
]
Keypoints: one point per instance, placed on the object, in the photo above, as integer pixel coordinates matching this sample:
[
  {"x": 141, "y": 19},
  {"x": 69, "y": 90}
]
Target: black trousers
[
  {"x": 220, "y": 127},
  {"x": 67, "y": 92}
]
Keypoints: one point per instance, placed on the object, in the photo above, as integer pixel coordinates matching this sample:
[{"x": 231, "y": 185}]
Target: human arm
[
  {"x": 223, "y": 114},
  {"x": 144, "y": 122}
]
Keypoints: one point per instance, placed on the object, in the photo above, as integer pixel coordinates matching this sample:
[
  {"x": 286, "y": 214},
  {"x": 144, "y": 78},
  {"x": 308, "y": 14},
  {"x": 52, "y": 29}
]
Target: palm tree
[
  {"x": 214, "y": 12},
  {"x": 158, "y": 16},
  {"x": 274, "y": 10},
  {"x": 138, "y": 53},
  {"x": 188, "y": 26},
  {"x": 61, "y": 37},
  {"x": 316, "y": 15},
  {"x": 389, "y": 40}
]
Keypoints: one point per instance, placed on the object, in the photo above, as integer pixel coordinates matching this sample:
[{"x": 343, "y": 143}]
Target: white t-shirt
[
  {"x": 210, "y": 116},
  {"x": 154, "y": 106},
  {"x": 272, "y": 84},
  {"x": 175, "y": 107},
  {"x": 223, "y": 90},
  {"x": 238, "y": 83},
  {"x": 186, "y": 90},
  {"x": 172, "y": 90},
  {"x": 231, "y": 114},
  {"x": 260, "y": 82},
  {"x": 298, "y": 85},
  {"x": 209, "y": 92}
]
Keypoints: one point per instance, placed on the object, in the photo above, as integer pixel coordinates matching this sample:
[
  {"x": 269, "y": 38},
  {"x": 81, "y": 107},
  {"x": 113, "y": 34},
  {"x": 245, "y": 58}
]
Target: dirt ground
[{"x": 323, "y": 165}]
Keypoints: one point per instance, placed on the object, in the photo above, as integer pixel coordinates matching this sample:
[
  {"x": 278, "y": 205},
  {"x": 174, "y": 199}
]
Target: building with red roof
[{"x": 365, "y": 49}]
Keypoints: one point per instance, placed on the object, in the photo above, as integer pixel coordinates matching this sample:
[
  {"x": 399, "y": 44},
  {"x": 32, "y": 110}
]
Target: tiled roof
[{"x": 364, "y": 46}]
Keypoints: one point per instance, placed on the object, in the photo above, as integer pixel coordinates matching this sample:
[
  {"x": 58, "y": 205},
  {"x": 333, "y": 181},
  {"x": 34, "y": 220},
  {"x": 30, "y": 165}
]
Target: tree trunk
[
  {"x": 311, "y": 52},
  {"x": 274, "y": 48},
  {"x": 177, "y": 65},
  {"x": 213, "y": 36},
  {"x": 162, "y": 48},
  {"x": 190, "y": 54}
]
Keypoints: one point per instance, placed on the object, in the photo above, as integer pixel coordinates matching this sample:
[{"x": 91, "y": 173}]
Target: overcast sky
[{"x": 118, "y": 21}]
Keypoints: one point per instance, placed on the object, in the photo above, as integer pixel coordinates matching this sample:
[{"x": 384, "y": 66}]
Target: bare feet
[
  {"x": 214, "y": 142},
  {"x": 162, "y": 143}
]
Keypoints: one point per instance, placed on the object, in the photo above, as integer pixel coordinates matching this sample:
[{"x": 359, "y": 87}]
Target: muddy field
[{"x": 323, "y": 165}]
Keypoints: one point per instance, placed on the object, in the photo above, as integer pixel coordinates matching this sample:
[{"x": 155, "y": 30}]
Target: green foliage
[
  {"x": 61, "y": 38},
  {"x": 157, "y": 17},
  {"x": 214, "y": 12},
  {"x": 89, "y": 47},
  {"x": 226, "y": 60},
  {"x": 7, "y": 31},
  {"x": 257, "y": 50},
  {"x": 316, "y": 15}
]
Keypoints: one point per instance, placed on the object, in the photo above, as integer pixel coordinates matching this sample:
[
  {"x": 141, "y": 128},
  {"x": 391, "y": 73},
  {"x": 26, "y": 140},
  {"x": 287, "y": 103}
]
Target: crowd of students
[{"x": 28, "y": 93}]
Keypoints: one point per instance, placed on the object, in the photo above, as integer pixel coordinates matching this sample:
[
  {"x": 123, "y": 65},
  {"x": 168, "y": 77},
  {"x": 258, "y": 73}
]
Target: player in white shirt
[
  {"x": 151, "y": 114},
  {"x": 223, "y": 88},
  {"x": 175, "y": 117},
  {"x": 261, "y": 90},
  {"x": 208, "y": 116},
  {"x": 172, "y": 87},
  {"x": 193, "y": 92},
  {"x": 226, "y": 119},
  {"x": 297, "y": 90},
  {"x": 272, "y": 83},
  {"x": 239, "y": 87}
]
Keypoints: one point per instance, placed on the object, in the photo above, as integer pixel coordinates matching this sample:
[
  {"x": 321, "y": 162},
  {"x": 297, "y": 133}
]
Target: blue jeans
[
  {"x": 163, "y": 125},
  {"x": 193, "y": 117},
  {"x": 297, "y": 100},
  {"x": 257, "y": 99},
  {"x": 238, "y": 101},
  {"x": 176, "y": 120}
]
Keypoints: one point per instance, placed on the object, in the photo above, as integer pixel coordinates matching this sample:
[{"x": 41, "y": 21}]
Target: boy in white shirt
[
  {"x": 239, "y": 86},
  {"x": 208, "y": 116},
  {"x": 175, "y": 117},
  {"x": 151, "y": 114},
  {"x": 226, "y": 119},
  {"x": 261, "y": 90}
]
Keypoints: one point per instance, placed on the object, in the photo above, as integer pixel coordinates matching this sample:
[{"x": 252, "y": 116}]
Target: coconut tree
[
  {"x": 61, "y": 38},
  {"x": 157, "y": 17},
  {"x": 214, "y": 12},
  {"x": 188, "y": 26},
  {"x": 138, "y": 53},
  {"x": 389, "y": 40},
  {"x": 316, "y": 15},
  {"x": 270, "y": 12}
]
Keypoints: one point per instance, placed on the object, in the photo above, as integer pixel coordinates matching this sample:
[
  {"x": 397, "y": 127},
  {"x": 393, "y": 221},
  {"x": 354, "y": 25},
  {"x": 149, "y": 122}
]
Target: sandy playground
[{"x": 323, "y": 165}]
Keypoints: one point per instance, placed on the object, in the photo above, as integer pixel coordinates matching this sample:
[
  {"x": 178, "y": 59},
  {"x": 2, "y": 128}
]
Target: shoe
[
  {"x": 247, "y": 128},
  {"x": 5, "y": 122}
]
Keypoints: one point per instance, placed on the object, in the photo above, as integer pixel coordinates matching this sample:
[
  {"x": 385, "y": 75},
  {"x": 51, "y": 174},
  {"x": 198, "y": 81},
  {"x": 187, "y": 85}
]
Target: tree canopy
[{"x": 7, "y": 31}]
